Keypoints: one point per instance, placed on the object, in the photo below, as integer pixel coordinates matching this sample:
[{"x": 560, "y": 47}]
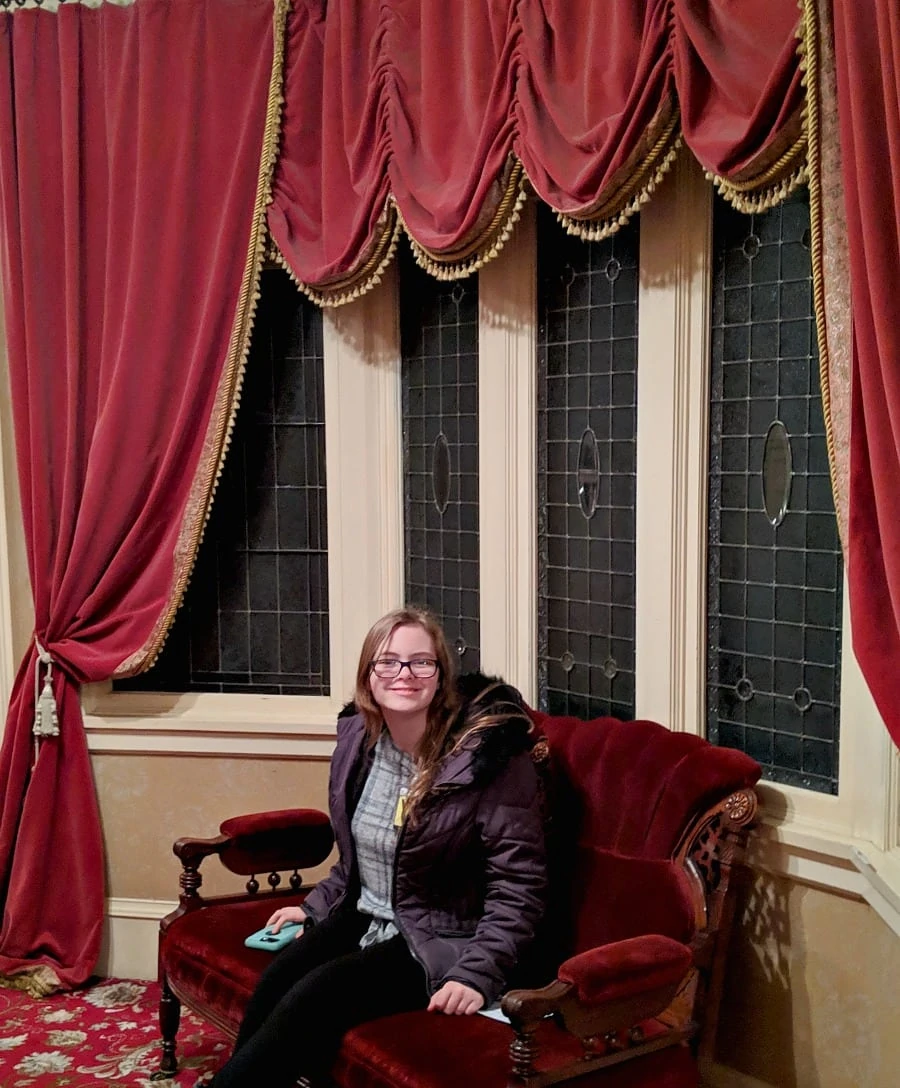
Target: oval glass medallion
[
  {"x": 440, "y": 472},
  {"x": 802, "y": 699},
  {"x": 588, "y": 473},
  {"x": 777, "y": 469}
]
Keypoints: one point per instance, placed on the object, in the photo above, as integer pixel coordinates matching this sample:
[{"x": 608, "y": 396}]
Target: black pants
[{"x": 314, "y": 990}]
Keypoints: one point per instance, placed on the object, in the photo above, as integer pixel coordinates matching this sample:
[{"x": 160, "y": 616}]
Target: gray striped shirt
[{"x": 375, "y": 835}]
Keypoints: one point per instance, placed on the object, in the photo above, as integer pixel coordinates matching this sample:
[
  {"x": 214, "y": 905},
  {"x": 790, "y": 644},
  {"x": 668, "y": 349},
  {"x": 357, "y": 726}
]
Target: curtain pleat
[
  {"x": 740, "y": 87},
  {"x": 867, "y": 60},
  {"x": 136, "y": 144}
]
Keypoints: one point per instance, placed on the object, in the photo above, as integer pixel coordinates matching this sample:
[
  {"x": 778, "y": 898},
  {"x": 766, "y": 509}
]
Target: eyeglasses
[{"x": 389, "y": 668}]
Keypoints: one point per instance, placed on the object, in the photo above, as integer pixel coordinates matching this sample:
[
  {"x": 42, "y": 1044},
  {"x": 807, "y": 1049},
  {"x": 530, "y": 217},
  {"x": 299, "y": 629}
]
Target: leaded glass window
[
  {"x": 439, "y": 349},
  {"x": 587, "y": 419},
  {"x": 775, "y": 569}
]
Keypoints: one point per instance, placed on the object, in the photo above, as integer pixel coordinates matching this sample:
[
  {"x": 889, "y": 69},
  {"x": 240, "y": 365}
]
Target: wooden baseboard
[{"x": 130, "y": 933}]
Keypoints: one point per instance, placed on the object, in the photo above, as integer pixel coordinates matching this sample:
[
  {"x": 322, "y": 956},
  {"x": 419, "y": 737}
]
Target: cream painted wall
[
  {"x": 811, "y": 995},
  {"x": 147, "y": 802}
]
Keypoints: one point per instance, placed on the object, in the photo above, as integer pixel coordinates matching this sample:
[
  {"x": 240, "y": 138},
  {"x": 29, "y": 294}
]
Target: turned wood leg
[
  {"x": 169, "y": 1020},
  {"x": 523, "y": 1050}
]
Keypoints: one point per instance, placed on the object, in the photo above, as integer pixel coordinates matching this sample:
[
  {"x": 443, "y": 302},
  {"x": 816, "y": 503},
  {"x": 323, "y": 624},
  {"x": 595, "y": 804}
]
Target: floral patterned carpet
[{"x": 106, "y": 1035}]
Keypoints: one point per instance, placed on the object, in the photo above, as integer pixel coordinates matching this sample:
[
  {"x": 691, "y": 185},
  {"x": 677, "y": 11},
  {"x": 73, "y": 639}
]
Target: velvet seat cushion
[
  {"x": 206, "y": 962},
  {"x": 427, "y": 1050}
]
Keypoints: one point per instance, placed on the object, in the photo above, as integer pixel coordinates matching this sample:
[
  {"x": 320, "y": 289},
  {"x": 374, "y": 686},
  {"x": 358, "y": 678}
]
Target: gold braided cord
[
  {"x": 770, "y": 187},
  {"x": 809, "y": 63},
  {"x": 775, "y": 184},
  {"x": 616, "y": 210},
  {"x": 474, "y": 254},
  {"x": 785, "y": 161},
  {"x": 761, "y": 200},
  {"x": 219, "y": 432}
]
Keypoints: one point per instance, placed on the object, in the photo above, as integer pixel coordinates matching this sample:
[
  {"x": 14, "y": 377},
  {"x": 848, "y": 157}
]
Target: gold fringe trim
[
  {"x": 761, "y": 200},
  {"x": 808, "y": 49},
  {"x": 457, "y": 266},
  {"x": 39, "y": 981},
  {"x": 220, "y": 431},
  {"x": 596, "y": 231},
  {"x": 360, "y": 283}
]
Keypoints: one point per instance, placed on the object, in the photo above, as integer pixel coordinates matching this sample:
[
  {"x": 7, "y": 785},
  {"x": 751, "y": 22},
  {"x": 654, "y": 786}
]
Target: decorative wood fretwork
[{"x": 614, "y": 1031}]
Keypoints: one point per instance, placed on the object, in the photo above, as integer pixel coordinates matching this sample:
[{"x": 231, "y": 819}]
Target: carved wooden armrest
[
  {"x": 261, "y": 842},
  {"x": 601, "y": 996},
  {"x": 191, "y": 852}
]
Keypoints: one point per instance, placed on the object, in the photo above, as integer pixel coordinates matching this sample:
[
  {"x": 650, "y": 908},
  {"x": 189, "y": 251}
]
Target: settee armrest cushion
[
  {"x": 626, "y": 969},
  {"x": 296, "y": 838}
]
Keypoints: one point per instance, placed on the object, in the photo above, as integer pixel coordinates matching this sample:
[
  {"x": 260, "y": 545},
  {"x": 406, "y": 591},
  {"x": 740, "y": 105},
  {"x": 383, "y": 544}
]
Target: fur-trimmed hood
[{"x": 475, "y": 751}]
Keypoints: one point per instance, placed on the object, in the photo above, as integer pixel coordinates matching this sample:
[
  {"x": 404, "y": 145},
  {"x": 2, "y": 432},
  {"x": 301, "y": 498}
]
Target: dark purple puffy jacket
[{"x": 470, "y": 870}]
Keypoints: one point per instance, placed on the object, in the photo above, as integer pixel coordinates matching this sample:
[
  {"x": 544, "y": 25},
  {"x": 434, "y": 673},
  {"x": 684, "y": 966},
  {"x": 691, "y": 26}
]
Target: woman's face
[{"x": 405, "y": 693}]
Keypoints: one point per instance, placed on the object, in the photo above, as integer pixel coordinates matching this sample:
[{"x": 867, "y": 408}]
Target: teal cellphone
[{"x": 271, "y": 942}]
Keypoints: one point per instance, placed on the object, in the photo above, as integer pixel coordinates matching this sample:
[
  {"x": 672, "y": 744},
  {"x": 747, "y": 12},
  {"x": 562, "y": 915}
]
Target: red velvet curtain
[
  {"x": 430, "y": 111},
  {"x": 130, "y": 245},
  {"x": 867, "y": 58}
]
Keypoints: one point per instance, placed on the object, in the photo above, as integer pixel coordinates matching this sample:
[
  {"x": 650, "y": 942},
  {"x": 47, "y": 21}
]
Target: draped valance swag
[
  {"x": 147, "y": 148},
  {"x": 435, "y": 117}
]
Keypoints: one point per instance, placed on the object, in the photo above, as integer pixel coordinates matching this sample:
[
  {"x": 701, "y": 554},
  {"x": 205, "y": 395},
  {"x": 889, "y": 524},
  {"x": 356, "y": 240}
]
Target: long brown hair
[{"x": 446, "y": 700}]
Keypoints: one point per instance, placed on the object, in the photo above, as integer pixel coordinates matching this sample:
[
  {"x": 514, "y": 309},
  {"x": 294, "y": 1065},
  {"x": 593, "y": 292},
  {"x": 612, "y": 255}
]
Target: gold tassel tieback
[{"x": 46, "y": 715}]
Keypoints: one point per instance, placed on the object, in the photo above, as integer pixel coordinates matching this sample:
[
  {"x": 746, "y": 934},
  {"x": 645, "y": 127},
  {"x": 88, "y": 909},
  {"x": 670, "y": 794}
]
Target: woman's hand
[
  {"x": 455, "y": 998},
  {"x": 287, "y": 914}
]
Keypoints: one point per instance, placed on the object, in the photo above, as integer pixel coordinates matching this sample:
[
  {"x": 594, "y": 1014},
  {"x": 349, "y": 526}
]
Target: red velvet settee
[{"x": 643, "y": 828}]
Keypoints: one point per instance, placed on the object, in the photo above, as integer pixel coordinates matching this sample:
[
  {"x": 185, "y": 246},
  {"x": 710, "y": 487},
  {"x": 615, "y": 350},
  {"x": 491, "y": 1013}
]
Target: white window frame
[{"x": 507, "y": 459}]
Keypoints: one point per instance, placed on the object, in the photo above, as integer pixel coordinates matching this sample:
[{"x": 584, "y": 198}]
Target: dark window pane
[
  {"x": 774, "y": 590},
  {"x": 587, "y": 412},
  {"x": 439, "y": 350},
  {"x": 255, "y": 616}
]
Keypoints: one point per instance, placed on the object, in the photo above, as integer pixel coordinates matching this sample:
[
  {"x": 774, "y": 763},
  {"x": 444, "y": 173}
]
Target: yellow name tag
[{"x": 400, "y": 810}]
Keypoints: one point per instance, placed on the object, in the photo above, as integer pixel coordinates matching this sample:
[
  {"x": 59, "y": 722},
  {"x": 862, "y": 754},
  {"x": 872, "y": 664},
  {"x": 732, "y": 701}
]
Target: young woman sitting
[{"x": 439, "y": 884}]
